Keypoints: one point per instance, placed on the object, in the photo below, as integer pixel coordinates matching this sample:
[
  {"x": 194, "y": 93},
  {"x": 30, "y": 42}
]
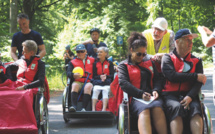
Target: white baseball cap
[{"x": 160, "y": 23}]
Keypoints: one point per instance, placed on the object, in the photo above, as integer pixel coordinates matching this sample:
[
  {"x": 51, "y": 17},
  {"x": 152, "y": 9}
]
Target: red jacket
[
  {"x": 27, "y": 73},
  {"x": 88, "y": 67},
  {"x": 179, "y": 65},
  {"x": 135, "y": 79},
  {"x": 103, "y": 68}
]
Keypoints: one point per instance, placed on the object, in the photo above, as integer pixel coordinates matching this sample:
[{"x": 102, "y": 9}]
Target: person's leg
[
  {"x": 176, "y": 125},
  {"x": 74, "y": 96},
  {"x": 95, "y": 95},
  {"x": 105, "y": 93},
  {"x": 144, "y": 122},
  {"x": 87, "y": 94},
  {"x": 196, "y": 124},
  {"x": 159, "y": 120},
  {"x": 196, "y": 121}
]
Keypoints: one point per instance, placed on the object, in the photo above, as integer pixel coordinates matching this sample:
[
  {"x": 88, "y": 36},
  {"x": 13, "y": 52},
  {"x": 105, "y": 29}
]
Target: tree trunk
[{"x": 13, "y": 16}]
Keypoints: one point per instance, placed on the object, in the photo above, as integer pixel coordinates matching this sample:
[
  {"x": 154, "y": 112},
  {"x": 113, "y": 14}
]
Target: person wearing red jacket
[
  {"x": 103, "y": 72},
  {"x": 140, "y": 80},
  {"x": 86, "y": 63},
  {"x": 184, "y": 78},
  {"x": 31, "y": 70}
]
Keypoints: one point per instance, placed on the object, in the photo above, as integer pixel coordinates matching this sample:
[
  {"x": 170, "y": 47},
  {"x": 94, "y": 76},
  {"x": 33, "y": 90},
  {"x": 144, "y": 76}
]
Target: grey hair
[
  {"x": 105, "y": 49},
  {"x": 30, "y": 45}
]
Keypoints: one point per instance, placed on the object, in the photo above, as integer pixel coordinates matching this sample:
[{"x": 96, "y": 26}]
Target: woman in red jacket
[
  {"x": 103, "y": 72},
  {"x": 139, "y": 78}
]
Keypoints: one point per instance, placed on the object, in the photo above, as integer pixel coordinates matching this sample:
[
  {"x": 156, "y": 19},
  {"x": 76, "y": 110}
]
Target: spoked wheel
[{"x": 44, "y": 118}]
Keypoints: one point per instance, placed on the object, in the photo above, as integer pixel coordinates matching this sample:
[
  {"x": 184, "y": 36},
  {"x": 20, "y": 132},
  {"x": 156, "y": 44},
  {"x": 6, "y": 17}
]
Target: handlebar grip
[{"x": 88, "y": 73}]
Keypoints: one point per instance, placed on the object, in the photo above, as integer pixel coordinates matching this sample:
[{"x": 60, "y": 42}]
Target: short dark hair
[
  {"x": 136, "y": 40},
  {"x": 94, "y": 30},
  {"x": 22, "y": 16}
]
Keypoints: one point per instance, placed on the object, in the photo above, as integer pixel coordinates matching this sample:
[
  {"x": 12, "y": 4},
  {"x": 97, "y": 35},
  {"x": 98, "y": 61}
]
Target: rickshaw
[
  {"x": 128, "y": 124},
  {"x": 23, "y": 111},
  {"x": 88, "y": 114}
]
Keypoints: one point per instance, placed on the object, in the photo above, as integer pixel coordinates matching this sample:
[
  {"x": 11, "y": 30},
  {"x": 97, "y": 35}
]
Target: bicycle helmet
[{"x": 94, "y": 30}]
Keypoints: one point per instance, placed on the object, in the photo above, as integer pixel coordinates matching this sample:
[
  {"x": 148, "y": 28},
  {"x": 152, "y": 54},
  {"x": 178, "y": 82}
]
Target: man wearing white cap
[{"x": 159, "y": 39}]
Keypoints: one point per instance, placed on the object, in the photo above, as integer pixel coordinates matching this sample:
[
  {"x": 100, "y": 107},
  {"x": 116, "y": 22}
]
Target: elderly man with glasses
[{"x": 86, "y": 63}]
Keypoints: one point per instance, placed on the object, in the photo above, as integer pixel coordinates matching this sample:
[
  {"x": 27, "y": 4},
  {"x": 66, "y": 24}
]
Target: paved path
[{"x": 58, "y": 126}]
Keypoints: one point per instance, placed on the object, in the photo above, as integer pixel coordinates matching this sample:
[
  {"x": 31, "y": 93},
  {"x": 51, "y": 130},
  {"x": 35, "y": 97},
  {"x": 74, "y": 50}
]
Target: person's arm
[
  {"x": 157, "y": 82},
  {"x": 69, "y": 71},
  {"x": 41, "y": 77},
  {"x": 90, "y": 41},
  {"x": 125, "y": 84},
  {"x": 169, "y": 72},
  {"x": 111, "y": 70},
  {"x": 13, "y": 53},
  {"x": 208, "y": 41},
  {"x": 95, "y": 76},
  {"x": 197, "y": 86},
  {"x": 42, "y": 49}
]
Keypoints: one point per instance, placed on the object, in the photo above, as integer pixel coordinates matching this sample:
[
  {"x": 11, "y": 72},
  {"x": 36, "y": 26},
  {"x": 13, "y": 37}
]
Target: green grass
[{"x": 55, "y": 81}]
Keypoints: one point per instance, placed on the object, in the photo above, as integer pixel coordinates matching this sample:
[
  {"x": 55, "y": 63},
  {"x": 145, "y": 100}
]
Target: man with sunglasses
[
  {"x": 93, "y": 44},
  {"x": 159, "y": 40},
  {"x": 86, "y": 63}
]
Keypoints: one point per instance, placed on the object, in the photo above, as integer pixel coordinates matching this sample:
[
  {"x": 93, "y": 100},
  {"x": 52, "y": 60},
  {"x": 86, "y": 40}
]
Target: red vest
[
  {"x": 135, "y": 79},
  {"x": 88, "y": 67},
  {"x": 103, "y": 68},
  {"x": 179, "y": 65},
  {"x": 135, "y": 74},
  {"x": 27, "y": 73}
]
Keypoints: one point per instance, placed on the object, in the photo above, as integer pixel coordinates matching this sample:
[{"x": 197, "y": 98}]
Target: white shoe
[{"x": 83, "y": 110}]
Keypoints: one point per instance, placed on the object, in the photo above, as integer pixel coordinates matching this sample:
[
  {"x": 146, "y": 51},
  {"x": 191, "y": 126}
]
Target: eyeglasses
[
  {"x": 82, "y": 51},
  {"x": 139, "y": 54}
]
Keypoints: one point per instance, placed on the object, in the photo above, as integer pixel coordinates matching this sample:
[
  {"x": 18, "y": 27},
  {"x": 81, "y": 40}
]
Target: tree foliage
[{"x": 69, "y": 21}]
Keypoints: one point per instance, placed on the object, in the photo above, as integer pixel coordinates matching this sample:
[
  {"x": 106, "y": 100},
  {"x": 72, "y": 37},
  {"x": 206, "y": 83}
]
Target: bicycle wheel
[{"x": 64, "y": 78}]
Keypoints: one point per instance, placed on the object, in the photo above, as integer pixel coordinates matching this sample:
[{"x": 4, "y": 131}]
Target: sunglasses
[
  {"x": 139, "y": 54},
  {"x": 80, "y": 51}
]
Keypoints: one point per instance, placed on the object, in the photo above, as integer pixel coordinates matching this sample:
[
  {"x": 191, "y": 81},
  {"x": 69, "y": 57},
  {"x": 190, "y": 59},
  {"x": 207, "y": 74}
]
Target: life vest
[
  {"x": 88, "y": 67},
  {"x": 135, "y": 79},
  {"x": 135, "y": 73},
  {"x": 179, "y": 65},
  {"x": 164, "y": 47},
  {"x": 27, "y": 73},
  {"x": 103, "y": 68}
]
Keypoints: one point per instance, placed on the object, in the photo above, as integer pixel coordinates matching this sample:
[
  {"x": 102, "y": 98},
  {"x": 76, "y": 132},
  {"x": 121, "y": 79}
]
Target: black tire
[
  {"x": 45, "y": 125},
  {"x": 64, "y": 78},
  {"x": 64, "y": 105}
]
